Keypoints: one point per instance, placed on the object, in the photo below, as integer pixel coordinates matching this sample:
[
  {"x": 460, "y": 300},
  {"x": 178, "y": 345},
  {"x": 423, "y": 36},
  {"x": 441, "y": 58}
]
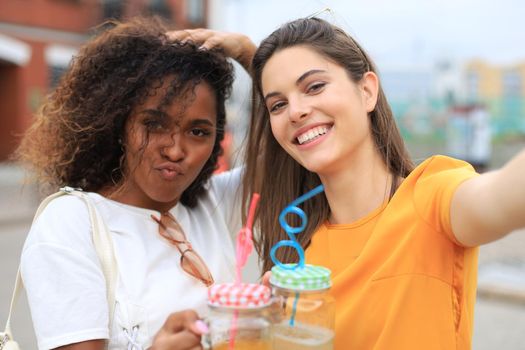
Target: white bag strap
[
  {"x": 7, "y": 335},
  {"x": 103, "y": 246}
]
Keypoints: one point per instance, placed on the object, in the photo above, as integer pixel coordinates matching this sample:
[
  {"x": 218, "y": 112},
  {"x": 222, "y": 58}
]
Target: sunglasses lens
[
  {"x": 193, "y": 264},
  {"x": 169, "y": 227},
  {"x": 190, "y": 261}
]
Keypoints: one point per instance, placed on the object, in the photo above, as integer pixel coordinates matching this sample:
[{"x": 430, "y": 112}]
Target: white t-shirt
[{"x": 66, "y": 287}]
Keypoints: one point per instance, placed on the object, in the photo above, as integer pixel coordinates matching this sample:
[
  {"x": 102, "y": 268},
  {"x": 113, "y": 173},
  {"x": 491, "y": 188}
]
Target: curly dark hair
[{"x": 74, "y": 140}]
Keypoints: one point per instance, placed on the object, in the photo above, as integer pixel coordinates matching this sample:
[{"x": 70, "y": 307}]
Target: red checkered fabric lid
[{"x": 243, "y": 295}]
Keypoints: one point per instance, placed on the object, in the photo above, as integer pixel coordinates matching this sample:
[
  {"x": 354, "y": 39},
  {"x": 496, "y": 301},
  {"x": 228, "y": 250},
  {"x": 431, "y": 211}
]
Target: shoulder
[
  {"x": 439, "y": 164},
  {"x": 431, "y": 187},
  {"x": 439, "y": 175},
  {"x": 63, "y": 210},
  {"x": 60, "y": 259},
  {"x": 64, "y": 221},
  {"x": 225, "y": 188},
  {"x": 227, "y": 180}
]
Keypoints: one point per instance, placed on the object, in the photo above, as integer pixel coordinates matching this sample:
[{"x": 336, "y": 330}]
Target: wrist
[{"x": 247, "y": 53}]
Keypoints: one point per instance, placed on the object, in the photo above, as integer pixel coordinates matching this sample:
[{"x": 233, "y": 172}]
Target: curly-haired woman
[{"x": 136, "y": 122}]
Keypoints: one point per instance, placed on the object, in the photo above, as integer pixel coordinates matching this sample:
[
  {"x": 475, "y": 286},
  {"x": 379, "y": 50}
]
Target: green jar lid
[{"x": 307, "y": 278}]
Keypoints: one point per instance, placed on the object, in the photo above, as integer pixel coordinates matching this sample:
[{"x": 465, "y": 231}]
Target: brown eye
[
  {"x": 200, "y": 132},
  {"x": 315, "y": 87},
  {"x": 277, "y": 106},
  {"x": 154, "y": 125}
]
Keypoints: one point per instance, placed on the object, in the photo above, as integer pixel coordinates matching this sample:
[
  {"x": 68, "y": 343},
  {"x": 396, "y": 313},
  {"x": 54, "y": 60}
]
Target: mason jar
[
  {"x": 306, "y": 314},
  {"x": 239, "y": 317}
]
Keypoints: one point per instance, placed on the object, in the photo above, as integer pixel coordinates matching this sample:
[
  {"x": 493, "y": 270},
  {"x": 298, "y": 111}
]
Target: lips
[
  {"x": 169, "y": 171},
  {"x": 310, "y": 133}
]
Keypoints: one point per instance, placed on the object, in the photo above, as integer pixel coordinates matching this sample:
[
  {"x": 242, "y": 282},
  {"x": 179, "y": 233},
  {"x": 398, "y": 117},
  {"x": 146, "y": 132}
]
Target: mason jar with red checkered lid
[{"x": 239, "y": 316}]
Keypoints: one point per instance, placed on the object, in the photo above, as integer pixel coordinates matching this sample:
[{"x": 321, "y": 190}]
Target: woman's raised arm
[
  {"x": 487, "y": 207},
  {"x": 235, "y": 45}
]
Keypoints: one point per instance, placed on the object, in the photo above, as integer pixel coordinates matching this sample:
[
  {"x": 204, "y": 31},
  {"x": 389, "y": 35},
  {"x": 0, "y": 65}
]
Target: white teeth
[{"x": 312, "y": 134}]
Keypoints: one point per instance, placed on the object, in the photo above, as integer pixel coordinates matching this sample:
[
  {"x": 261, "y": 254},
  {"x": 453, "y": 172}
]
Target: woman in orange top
[{"x": 401, "y": 241}]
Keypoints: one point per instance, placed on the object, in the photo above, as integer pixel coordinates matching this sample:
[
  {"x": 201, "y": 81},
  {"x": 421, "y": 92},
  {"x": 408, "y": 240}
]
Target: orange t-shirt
[{"x": 400, "y": 279}]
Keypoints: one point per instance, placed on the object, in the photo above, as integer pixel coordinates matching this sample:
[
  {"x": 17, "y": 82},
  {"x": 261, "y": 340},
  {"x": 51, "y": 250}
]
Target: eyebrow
[
  {"x": 197, "y": 121},
  {"x": 202, "y": 121},
  {"x": 153, "y": 112},
  {"x": 297, "y": 82}
]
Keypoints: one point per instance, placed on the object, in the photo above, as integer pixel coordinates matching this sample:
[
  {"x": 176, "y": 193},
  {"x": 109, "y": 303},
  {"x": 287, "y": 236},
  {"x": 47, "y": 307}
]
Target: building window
[
  {"x": 512, "y": 84},
  {"x": 472, "y": 85},
  {"x": 55, "y": 73},
  {"x": 58, "y": 58}
]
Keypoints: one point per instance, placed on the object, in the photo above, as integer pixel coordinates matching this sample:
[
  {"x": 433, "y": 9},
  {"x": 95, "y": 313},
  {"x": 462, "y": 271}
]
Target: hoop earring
[
  {"x": 120, "y": 164},
  {"x": 112, "y": 175}
]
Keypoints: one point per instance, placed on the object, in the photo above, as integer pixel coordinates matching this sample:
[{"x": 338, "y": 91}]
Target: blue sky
[{"x": 399, "y": 32}]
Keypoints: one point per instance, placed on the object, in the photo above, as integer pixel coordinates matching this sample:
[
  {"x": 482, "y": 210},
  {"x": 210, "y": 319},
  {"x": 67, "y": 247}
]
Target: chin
[
  {"x": 316, "y": 166},
  {"x": 163, "y": 198}
]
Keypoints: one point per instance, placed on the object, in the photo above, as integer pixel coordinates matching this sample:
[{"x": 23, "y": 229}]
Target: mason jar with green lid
[{"x": 307, "y": 311}]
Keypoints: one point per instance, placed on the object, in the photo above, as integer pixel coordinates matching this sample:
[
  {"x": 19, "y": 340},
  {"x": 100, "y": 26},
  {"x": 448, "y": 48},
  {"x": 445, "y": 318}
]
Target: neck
[
  {"x": 121, "y": 194},
  {"x": 357, "y": 189}
]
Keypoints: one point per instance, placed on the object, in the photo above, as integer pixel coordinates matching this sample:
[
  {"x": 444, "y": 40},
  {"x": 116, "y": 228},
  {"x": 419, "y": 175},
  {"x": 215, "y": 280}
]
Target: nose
[
  {"x": 298, "y": 109},
  {"x": 174, "y": 149}
]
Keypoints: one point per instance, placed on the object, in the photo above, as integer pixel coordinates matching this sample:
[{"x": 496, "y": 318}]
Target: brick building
[{"x": 38, "y": 38}]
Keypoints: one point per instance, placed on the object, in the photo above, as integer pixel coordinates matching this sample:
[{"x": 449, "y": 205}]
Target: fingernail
[{"x": 201, "y": 326}]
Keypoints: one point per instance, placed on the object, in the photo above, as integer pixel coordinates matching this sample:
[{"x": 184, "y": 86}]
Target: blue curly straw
[{"x": 292, "y": 242}]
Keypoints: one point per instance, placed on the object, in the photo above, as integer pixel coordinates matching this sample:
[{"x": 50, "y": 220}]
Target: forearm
[
  {"x": 491, "y": 205},
  {"x": 509, "y": 193},
  {"x": 246, "y": 55},
  {"x": 235, "y": 45}
]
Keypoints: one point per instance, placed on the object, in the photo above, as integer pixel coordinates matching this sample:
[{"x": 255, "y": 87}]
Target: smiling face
[
  {"x": 166, "y": 149},
  {"x": 317, "y": 113}
]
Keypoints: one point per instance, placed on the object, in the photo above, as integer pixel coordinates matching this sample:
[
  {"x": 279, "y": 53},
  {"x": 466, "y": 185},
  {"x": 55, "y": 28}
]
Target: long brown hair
[
  {"x": 273, "y": 173},
  {"x": 78, "y": 138}
]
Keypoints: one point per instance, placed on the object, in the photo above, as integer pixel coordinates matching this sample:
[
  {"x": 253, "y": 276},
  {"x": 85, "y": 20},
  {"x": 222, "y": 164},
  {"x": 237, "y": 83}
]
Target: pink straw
[
  {"x": 243, "y": 250},
  {"x": 244, "y": 238}
]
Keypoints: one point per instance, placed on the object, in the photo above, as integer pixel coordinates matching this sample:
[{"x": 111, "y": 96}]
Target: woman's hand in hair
[
  {"x": 181, "y": 331},
  {"x": 235, "y": 45}
]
